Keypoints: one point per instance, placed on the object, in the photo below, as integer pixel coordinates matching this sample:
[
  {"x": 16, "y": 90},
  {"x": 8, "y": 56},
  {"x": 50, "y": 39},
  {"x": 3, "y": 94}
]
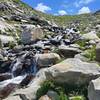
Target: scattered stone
[{"x": 53, "y": 95}]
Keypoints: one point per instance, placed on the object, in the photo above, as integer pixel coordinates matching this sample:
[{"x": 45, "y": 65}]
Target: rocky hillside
[
  {"x": 15, "y": 13},
  {"x": 46, "y": 57}
]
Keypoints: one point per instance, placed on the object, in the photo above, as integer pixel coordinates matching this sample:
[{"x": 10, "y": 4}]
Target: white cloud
[
  {"x": 82, "y": 2},
  {"x": 85, "y": 1},
  {"x": 84, "y": 10},
  {"x": 43, "y": 8},
  {"x": 62, "y": 12}
]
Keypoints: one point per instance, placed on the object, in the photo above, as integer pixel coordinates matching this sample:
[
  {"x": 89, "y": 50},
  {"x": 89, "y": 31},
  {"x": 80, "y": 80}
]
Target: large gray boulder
[
  {"x": 83, "y": 72},
  {"x": 94, "y": 89},
  {"x": 31, "y": 33},
  {"x": 91, "y": 36},
  {"x": 47, "y": 59},
  {"x": 68, "y": 51},
  {"x": 70, "y": 71}
]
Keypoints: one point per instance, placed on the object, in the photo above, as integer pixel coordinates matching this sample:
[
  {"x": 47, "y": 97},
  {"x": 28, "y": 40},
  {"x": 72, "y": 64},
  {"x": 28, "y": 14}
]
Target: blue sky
[{"x": 64, "y": 7}]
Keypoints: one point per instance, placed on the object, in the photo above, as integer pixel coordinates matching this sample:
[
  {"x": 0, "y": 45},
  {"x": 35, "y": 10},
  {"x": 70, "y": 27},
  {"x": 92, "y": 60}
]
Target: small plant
[
  {"x": 63, "y": 96},
  {"x": 44, "y": 88},
  {"x": 91, "y": 54},
  {"x": 11, "y": 45},
  {"x": 82, "y": 43}
]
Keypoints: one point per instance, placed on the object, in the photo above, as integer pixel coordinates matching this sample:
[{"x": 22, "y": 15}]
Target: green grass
[
  {"x": 64, "y": 91},
  {"x": 91, "y": 53}
]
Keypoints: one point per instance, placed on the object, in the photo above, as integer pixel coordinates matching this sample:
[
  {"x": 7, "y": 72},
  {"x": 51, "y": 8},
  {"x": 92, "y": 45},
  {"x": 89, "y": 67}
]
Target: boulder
[
  {"x": 47, "y": 59},
  {"x": 81, "y": 57},
  {"x": 83, "y": 72},
  {"x": 91, "y": 36},
  {"x": 31, "y": 33},
  {"x": 27, "y": 80},
  {"x": 5, "y": 76},
  {"x": 94, "y": 89},
  {"x": 98, "y": 52},
  {"x": 68, "y": 52},
  {"x": 7, "y": 90}
]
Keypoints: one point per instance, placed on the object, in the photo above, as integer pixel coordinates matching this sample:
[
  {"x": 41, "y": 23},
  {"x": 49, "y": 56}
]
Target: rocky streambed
[{"x": 36, "y": 70}]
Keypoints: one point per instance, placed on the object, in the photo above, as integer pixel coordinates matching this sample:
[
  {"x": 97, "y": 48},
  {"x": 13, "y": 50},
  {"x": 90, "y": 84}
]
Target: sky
[{"x": 64, "y": 7}]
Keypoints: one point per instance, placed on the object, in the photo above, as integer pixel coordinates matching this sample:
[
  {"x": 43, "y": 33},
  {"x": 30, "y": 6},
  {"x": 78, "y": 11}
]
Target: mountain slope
[{"x": 16, "y": 13}]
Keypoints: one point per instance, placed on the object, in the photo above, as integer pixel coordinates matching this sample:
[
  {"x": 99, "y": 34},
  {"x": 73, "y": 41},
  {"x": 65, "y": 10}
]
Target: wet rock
[
  {"x": 7, "y": 90},
  {"x": 67, "y": 41},
  {"x": 5, "y": 66},
  {"x": 68, "y": 52},
  {"x": 27, "y": 80},
  {"x": 31, "y": 90},
  {"x": 56, "y": 40},
  {"x": 5, "y": 76},
  {"x": 24, "y": 64},
  {"x": 47, "y": 59},
  {"x": 94, "y": 89},
  {"x": 16, "y": 80}
]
